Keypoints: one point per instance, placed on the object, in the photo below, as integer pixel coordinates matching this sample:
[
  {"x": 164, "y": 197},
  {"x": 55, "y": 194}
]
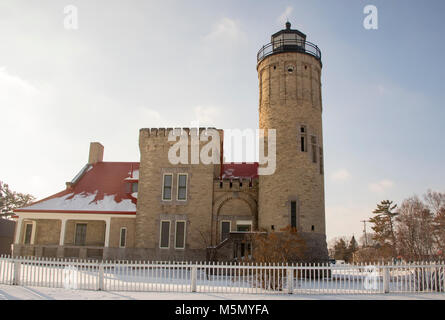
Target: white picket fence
[{"x": 223, "y": 277}]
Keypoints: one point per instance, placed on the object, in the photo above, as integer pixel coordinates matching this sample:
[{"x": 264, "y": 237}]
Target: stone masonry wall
[
  {"x": 290, "y": 97},
  {"x": 152, "y": 209}
]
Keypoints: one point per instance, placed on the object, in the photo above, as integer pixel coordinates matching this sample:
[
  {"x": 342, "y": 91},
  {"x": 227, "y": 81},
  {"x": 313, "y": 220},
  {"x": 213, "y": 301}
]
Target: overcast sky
[{"x": 135, "y": 64}]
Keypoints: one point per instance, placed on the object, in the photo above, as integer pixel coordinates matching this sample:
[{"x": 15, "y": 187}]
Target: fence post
[
  {"x": 290, "y": 280},
  {"x": 16, "y": 278},
  {"x": 386, "y": 279},
  {"x": 101, "y": 276},
  {"x": 193, "y": 277}
]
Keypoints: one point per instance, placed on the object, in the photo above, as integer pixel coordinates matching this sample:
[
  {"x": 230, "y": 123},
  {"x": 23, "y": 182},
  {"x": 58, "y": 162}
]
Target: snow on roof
[
  {"x": 133, "y": 175},
  {"x": 101, "y": 188},
  {"x": 240, "y": 170},
  {"x": 84, "y": 202}
]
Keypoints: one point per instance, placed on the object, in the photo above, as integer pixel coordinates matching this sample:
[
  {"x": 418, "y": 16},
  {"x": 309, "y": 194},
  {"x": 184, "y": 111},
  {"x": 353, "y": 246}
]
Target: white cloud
[
  {"x": 381, "y": 186},
  {"x": 341, "y": 175},
  {"x": 207, "y": 116},
  {"x": 285, "y": 16},
  {"x": 15, "y": 85},
  {"x": 225, "y": 30}
]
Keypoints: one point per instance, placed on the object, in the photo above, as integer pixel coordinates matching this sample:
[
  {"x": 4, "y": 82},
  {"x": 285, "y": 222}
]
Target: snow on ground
[{"x": 38, "y": 293}]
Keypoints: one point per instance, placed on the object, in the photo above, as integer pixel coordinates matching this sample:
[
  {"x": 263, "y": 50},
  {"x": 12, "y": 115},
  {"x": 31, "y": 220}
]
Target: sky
[{"x": 140, "y": 64}]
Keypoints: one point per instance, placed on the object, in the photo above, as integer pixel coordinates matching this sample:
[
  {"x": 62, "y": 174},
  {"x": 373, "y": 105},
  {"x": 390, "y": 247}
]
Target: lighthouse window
[
  {"x": 290, "y": 69},
  {"x": 293, "y": 214},
  {"x": 303, "y": 139}
]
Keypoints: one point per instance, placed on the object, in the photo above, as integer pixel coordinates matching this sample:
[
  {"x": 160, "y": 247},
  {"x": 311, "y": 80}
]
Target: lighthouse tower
[{"x": 289, "y": 72}]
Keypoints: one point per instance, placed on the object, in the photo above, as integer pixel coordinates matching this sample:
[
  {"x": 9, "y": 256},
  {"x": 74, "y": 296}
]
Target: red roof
[
  {"x": 102, "y": 188},
  {"x": 234, "y": 170}
]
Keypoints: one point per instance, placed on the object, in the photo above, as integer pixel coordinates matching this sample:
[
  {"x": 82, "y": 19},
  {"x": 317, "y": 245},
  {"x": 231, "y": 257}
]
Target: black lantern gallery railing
[{"x": 289, "y": 45}]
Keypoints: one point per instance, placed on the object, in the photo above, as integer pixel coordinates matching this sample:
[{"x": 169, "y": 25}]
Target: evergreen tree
[
  {"x": 383, "y": 223},
  {"x": 340, "y": 250},
  {"x": 352, "y": 248}
]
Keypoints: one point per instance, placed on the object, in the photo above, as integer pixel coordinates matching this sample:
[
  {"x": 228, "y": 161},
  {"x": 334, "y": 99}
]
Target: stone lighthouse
[{"x": 289, "y": 72}]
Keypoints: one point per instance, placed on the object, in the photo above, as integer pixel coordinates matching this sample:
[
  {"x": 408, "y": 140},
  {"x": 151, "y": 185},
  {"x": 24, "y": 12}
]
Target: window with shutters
[
  {"x": 167, "y": 187},
  {"x": 182, "y": 187},
  {"x": 81, "y": 234},
  {"x": 180, "y": 235},
  {"x": 164, "y": 241}
]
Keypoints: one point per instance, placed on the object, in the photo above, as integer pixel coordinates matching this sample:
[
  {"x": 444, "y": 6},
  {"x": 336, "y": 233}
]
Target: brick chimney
[{"x": 96, "y": 153}]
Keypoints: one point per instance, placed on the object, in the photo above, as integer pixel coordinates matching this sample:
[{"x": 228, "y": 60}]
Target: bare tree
[
  {"x": 10, "y": 200},
  {"x": 414, "y": 231},
  {"x": 436, "y": 204}
]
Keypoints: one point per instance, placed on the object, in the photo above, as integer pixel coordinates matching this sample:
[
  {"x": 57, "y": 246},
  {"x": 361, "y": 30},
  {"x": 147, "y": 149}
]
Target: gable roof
[
  {"x": 98, "y": 188},
  {"x": 103, "y": 188}
]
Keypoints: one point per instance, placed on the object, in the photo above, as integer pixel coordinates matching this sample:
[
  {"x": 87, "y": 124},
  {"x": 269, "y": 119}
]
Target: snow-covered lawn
[{"x": 37, "y": 293}]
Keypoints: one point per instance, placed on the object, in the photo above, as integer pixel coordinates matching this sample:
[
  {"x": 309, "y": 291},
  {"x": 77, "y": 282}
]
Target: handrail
[{"x": 289, "y": 45}]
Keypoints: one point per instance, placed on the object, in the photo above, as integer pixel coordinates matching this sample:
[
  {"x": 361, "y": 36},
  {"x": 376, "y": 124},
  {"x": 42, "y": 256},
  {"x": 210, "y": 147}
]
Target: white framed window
[
  {"x": 167, "y": 184},
  {"x": 164, "y": 234},
  {"x": 30, "y": 231},
  {"x": 244, "y": 225},
  {"x": 182, "y": 187},
  {"x": 226, "y": 226},
  {"x": 123, "y": 237},
  {"x": 180, "y": 234}
]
